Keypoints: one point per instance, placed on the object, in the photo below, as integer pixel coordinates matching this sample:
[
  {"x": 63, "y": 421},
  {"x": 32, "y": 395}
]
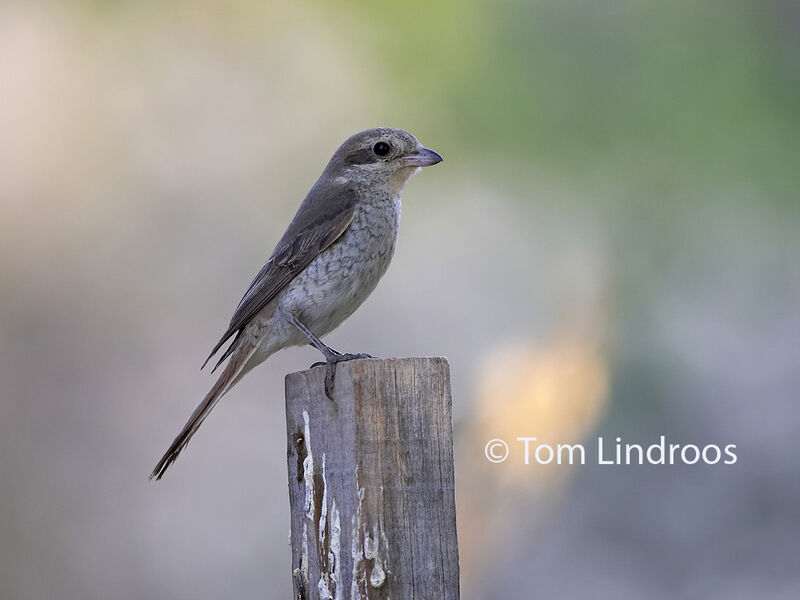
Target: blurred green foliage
[
  {"x": 664, "y": 93},
  {"x": 664, "y": 96}
]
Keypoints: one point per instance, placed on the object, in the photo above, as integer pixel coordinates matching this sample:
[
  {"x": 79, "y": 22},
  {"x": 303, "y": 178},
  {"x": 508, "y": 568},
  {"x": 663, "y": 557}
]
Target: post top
[{"x": 439, "y": 361}]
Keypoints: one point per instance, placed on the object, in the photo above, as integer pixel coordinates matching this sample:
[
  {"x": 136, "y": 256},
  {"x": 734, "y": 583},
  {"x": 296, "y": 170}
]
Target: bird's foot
[
  {"x": 330, "y": 368},
  {"x": 333, "y": 352}
]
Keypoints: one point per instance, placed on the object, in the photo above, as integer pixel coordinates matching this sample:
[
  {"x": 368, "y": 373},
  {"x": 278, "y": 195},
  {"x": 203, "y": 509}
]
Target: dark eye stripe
[{"x": 364, "y": 156}]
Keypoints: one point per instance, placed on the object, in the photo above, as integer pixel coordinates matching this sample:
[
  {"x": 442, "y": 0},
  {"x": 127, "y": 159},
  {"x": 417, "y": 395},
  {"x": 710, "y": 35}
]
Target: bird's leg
[
  {"x": 332, "y": 357},
  {"x": 326, "y": 350}
]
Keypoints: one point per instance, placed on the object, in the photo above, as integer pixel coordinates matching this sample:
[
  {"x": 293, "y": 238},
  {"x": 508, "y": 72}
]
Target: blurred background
[{"x": 611, "y": 247}]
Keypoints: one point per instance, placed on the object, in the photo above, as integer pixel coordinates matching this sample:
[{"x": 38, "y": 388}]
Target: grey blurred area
[{"x": 611, "y": 247}]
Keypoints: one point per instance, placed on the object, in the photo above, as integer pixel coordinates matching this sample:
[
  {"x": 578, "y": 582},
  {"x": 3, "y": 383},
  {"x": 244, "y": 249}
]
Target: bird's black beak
[{"x": 422, "y": 157}]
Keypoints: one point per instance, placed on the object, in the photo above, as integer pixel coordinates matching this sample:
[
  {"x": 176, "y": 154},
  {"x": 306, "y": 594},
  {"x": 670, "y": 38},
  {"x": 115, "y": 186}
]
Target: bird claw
[
  {"x": 330, "y": 369},
  {"x": 321, "y": 363}
]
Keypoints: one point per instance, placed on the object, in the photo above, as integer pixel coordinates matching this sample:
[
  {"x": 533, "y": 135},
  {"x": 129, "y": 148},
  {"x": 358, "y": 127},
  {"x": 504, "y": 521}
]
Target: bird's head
[{"x": 381, "y": 156}]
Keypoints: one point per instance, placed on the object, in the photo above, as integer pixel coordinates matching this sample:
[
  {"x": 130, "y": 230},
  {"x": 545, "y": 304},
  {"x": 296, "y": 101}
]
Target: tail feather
[
  {"x": 226, "y": 354},
  {"x": 228, "y": 377}
]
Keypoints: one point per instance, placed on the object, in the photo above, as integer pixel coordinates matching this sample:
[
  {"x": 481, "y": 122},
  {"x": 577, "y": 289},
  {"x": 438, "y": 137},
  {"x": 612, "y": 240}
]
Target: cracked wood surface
[{"x": 371, "y": 485}]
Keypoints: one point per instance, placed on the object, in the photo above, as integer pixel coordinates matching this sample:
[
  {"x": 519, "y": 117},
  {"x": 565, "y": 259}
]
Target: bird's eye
[{"x": 381, "y": 148}]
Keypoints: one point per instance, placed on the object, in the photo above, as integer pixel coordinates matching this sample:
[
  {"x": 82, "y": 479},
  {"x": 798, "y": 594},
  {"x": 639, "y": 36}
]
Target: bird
[{"x": 336, "y": 248}]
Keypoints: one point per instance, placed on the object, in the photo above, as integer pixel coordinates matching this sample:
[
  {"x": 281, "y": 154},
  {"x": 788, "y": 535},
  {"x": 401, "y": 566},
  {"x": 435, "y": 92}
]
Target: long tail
[{"x": 229, "y": 376}]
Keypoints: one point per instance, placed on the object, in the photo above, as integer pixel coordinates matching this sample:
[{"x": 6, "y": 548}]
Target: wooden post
[{"x": 371, "y": 484}]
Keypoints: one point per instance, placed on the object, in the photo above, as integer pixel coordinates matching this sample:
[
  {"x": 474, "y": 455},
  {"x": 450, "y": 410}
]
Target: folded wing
[{"x": 320, "y": 221}]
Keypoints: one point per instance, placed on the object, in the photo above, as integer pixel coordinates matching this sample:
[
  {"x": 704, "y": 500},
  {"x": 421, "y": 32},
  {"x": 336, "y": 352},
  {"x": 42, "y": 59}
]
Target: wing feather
[{"x": 321, "y": 220}]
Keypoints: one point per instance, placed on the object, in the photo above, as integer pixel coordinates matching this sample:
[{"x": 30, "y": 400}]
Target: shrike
[{"x": 337, "y": 247}]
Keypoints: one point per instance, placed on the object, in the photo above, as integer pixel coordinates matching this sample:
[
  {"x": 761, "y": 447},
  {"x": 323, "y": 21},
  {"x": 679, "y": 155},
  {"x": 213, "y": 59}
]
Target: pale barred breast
[
  {"x": 373, "y": 231},
  {"x": 342, "y": 277},
  {"x": 366, "y": 248}
]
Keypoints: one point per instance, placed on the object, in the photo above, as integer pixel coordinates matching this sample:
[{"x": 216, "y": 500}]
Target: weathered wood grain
[{"x": 371, "y": 483}]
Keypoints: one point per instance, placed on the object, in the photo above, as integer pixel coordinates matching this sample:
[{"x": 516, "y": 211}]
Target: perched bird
[{"x": 331, "y": 257}]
